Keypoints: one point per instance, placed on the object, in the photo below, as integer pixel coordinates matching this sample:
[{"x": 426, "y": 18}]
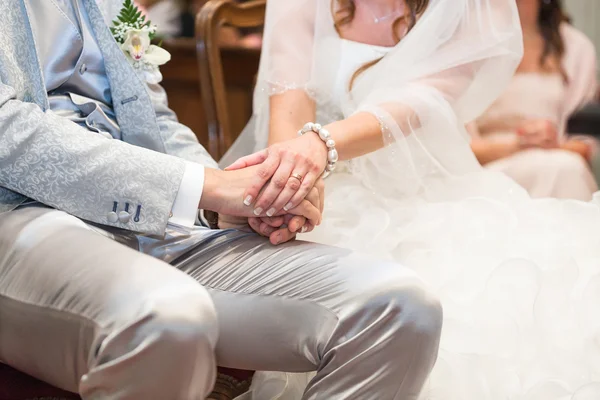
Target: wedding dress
[{"x": 519, "y": 279}]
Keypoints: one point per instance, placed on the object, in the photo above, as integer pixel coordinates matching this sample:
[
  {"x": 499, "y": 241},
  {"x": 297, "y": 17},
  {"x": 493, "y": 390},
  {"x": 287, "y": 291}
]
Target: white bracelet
[{"x": 325, "y": 136}]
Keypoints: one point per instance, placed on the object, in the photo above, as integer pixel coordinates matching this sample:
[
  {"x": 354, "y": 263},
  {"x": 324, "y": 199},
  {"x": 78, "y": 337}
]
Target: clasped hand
[
  {"x": 544, "y": 134},
  {"x": 282, "y": 228},
  {"x": 538, "y": 134},
  {"x": 288, "y": 173}
]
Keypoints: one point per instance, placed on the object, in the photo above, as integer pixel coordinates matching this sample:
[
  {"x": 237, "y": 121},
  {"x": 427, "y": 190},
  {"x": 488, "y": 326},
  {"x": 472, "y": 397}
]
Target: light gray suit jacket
[{"x": 56, "y": 162}]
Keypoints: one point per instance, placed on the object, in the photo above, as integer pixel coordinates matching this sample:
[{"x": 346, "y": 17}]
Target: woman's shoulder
[{"x": 576, "y": 40}]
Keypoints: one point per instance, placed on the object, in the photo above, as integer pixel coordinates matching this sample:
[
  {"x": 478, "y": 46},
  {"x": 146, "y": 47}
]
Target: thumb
[
  {"x": 296, "y": 223},
  {"x": 248, "y": 161}
]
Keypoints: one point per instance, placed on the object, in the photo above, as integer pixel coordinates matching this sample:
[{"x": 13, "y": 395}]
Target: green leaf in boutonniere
[
  {"x": 131, "y": 17},
  {"x": 134, "y": 34}
]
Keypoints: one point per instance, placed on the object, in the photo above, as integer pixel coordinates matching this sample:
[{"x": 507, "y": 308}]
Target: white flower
[
  {"x": 144, "y": 57},
  {"x": 156, "y": 55}
]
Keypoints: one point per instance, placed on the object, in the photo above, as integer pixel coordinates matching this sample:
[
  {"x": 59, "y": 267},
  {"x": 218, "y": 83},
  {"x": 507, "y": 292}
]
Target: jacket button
[
  {"x": 124, "y": 217},
  {"x": 82, "y": 69},
  {"x": 112, "y": 217}
]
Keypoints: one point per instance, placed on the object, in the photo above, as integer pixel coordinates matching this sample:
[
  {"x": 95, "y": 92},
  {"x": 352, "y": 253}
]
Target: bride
[{"x": 394, "y": 82}]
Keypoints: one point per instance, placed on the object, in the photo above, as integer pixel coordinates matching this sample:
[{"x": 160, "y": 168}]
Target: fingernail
[
  {"x": 271, "y": 212},
  {"x": 258, "y": 211},
  {"x": 248, "y": 200},
  {"x": 304, "y": 228},
  {"x": 288, "y": 206}
]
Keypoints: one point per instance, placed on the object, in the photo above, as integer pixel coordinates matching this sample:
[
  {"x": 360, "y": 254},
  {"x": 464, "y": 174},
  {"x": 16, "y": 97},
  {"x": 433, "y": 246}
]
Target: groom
[{"x": 95, "y": 307}]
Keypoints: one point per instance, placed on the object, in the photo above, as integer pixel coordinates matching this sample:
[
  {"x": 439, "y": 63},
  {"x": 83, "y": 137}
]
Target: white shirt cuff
[{"x": 185, "y": 207}]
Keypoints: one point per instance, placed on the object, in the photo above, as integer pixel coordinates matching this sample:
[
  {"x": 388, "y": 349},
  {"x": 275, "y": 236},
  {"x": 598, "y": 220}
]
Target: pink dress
[{"x": 546, "y": 173}]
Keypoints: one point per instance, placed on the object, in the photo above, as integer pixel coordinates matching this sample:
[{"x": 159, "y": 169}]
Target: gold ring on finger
[{"x": 297, "y": 176}]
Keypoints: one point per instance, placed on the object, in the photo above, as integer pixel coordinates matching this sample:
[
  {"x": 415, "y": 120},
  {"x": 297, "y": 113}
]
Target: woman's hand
[
  {"x": 224, "y": 190},
  {"x": 288, "y": 171},
  {"x": 284, "y": 228},
  {"x": 579, "y": 147},
  {"x": 538, "y": 133},
  {"x": 278, "y": 229}
]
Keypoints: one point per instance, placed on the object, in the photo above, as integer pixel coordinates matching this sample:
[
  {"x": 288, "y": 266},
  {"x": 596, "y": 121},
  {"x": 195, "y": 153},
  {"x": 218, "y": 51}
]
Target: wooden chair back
[{"x": 214, "y": 15}]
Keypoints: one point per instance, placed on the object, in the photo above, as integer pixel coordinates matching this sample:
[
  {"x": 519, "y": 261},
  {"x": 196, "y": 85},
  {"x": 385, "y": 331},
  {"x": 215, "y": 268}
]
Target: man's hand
[
  {"x": 279, "y": 229},
  {"x": 291, "y": 169},
  {"x": 231, "y": 222},
  {"x": 283, "y": 229},
  {"x": 224, "y": 191}
]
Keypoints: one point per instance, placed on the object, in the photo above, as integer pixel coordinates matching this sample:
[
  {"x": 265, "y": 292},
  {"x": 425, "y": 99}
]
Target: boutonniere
[{"x": 134, "y": 33}]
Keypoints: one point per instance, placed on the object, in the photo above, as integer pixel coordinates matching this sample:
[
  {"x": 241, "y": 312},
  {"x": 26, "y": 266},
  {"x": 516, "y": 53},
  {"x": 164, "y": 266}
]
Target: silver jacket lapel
[
  {"x": 131, "y": 101},
  {"x": 20, "y": 69}
]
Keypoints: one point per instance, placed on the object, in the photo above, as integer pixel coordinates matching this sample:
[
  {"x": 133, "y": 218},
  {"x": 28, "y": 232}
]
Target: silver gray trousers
[{"x": 90, "y": 314}]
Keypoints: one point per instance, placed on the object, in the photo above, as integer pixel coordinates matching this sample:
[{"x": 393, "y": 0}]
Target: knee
[
  {"x": 566, "y": 163},
  {"x": 160, "y": 347},
  {"x": 417, "y": 308},
  {"x": 542, "y": 167},
  {"x": 172, "y": 324},
  {"x": 183, "y": 321},
  {"x": 557, "y": 162},
  {"x": 409, "y": 305}
]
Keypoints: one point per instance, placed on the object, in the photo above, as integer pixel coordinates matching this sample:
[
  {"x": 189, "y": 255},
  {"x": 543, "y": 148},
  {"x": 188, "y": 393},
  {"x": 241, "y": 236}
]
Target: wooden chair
[
  {"x": 15, "y": 385},
  {"x": 222, "y": 130},
  {"x": 183, "y": 85},
  {"x": 214, "y": 15}
]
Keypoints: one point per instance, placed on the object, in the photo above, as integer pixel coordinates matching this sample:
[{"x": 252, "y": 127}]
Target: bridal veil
[{"x": 445, "y": 72}]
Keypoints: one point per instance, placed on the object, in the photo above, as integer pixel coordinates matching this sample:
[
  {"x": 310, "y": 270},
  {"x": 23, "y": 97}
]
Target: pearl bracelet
[{"x": 325, "y": 136}]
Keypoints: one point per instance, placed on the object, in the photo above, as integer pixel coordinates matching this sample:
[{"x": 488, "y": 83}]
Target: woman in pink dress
[{"x": 523, "y": 133}]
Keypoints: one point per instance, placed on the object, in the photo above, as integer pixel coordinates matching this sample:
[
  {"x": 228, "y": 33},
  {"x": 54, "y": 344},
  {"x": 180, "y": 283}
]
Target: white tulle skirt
[{"x": 519, "y": 280}]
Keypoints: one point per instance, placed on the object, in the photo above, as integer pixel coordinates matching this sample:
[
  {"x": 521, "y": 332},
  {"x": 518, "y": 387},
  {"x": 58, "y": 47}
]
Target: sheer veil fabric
[
  {"x": 452, "y": 65},
  {"x": 518, "y": 278}
]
